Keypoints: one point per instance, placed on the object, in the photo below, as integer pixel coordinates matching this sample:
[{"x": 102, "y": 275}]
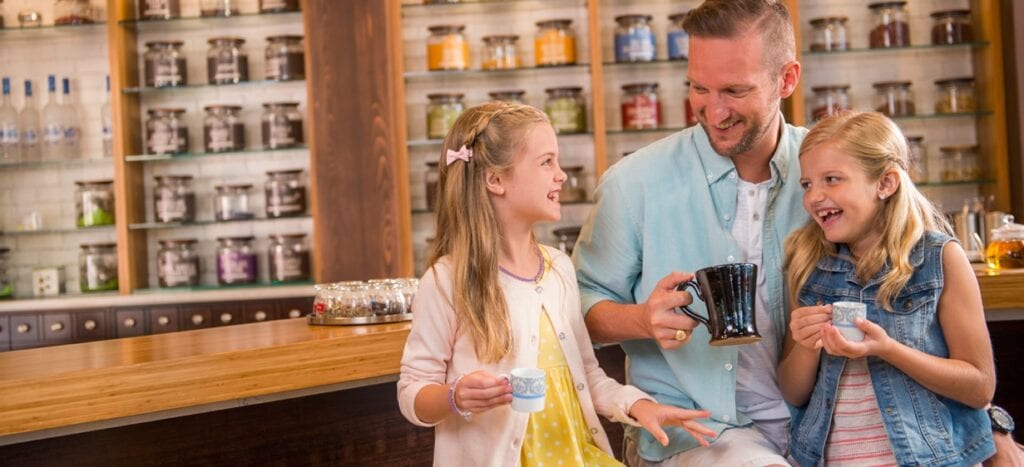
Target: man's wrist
[{"x": 1001, "y": 420}]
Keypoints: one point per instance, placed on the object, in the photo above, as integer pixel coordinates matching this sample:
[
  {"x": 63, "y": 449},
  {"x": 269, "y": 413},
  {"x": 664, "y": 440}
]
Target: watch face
[{"x": 1001, "y": 419}]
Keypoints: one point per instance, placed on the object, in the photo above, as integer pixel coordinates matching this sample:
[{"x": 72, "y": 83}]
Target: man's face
[{"x": 735, "y": 97}]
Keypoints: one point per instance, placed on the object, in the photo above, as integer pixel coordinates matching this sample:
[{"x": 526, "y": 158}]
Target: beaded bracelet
[{"x": 451, "y": 400}]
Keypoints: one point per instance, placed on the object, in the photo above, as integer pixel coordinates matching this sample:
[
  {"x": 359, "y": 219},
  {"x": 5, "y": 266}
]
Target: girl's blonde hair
[
  {"x": 878, "y": 146},
  {"x": 467, "y": 228}
]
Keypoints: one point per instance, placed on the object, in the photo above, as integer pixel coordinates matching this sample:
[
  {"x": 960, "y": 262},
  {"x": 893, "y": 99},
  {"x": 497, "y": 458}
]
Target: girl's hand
[
  {"x": 875, "y": 342},
  {"x": 481, "y": 391},
  {"x": 805, "y": 325},
  {"x": 653, "y": 416}
]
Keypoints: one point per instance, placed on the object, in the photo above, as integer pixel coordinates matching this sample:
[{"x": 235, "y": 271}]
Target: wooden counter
[{"x": 1002, "y": 290}]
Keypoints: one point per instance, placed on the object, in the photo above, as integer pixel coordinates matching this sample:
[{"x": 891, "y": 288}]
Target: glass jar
[
  {"x": 688, "y": 113},
  {"x": 231, "y": 202},
  {"x": 285, "y": 193},
  {"x": 829, "y": 34},
  {"x": 891, "y": 28},
  {"x": 97, "y": 267},
  {"x": 161, "y": 9},
  {"x": 387, "y": 297},
  {"x": 236, "y": 260},
  {"x": 166, "y": 132},
  {"x": 226, "y": 62},
  {"x": 678, "y": 38},
  {"x": 177, "y": 264},
  {"x": 6, "y": 283},
  {"x": 442, "y": 111},
  {"x": 279, "y": 6},
  {"x": 566, "y": 109},
  {"x": 960, "y": 163},
  {"x": 173, "y": 199},
  {"x": 222, "y": 129},
  {"x": 555, "y": 43},
  {"x": 567, "y": 237},
  {"x": 955, "y": 95},
  {"x": 218, "y": 8},
  {"x": 164, "y": 64},
  {"x": 430, "y": 181},
  {"x": 500, "y": 52},
  {"x": 72, "y": 12},
  {"x": 634, "y": 39},
  {"x": 285, "y": 58},
  {"x": 447, "y": 48},
  {"x": 641, "y": 108},
  {"x": 281, "y": 125},
  {"x": 894, "y": 98},
  {"x": 1006, "y": 248},
  {"x": 918, "y": 159},
  {"x": 952, "y": 27},
  {"x": 829, "y": 100},
  {"x": 94, "y": 203},
  {"x": 512, "y": 96},
  {"x": 573, "y": 190},
  {"x": 29, "y": 19},
  {"x": 288, "y": 258}
]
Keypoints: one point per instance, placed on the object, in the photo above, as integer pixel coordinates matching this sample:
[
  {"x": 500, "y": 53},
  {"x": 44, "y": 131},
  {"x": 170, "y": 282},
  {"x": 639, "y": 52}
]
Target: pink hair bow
[{"x": 463, "y": 153}]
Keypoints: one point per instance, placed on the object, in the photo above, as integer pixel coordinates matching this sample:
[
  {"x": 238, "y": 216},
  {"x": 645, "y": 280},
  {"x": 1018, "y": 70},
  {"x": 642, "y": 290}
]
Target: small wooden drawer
[
  {"x": 259, "y": 311},
  {"x": 25, "y": 331},
  {"x": 130, "y": 323},
  {"x": 195, "y": 317},
  {"x": 57, "y": 328},
  {"x": 5, "y": 333},
  {"x": 91, "y": 325},
  {"x": 226, "y": 314},
  {"x": 163, "y": 319},
  {"x": 294, "y": 307}
]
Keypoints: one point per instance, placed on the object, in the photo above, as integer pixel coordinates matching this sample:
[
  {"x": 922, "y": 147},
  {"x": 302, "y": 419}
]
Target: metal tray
[{"x": 323, "y": 320}]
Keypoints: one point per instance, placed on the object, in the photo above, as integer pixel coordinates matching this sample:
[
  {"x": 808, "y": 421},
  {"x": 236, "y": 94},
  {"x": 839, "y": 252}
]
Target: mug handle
[{"x": 700, "y": 294}]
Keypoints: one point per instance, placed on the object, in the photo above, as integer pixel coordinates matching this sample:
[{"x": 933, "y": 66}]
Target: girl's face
[
  {"x": 532, "y": 185},
  {"x": 841, "y": 198}
]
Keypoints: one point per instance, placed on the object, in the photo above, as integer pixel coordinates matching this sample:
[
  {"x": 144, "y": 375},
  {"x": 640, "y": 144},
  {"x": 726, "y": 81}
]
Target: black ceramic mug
[{"x": 728, "y": 290}]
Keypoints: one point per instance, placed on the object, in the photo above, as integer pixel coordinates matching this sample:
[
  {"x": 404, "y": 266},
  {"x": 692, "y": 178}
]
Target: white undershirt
[{"x": 757, "y": 388}]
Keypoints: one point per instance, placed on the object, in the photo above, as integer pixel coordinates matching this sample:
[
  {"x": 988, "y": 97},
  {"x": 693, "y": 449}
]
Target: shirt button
[
  {"x": 757, "y": 216},
  {"x": 561, "y": 336},
  {"x": 731, "y": 258},
  {"x": 709, "y": 177},
  {"x": 726, "y": 418},
  {"x": 726, "y": 217},
  {"x": 515, "y": 442},
  {"x": 751, "y": 192},
  {"x": 732, "y": 175},
  {"x": 728, "y": 367},
  {"x": 579, "y": 387}
]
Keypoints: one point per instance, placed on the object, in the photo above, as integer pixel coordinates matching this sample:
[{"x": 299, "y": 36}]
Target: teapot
[{"x": 1006, "y": 247}]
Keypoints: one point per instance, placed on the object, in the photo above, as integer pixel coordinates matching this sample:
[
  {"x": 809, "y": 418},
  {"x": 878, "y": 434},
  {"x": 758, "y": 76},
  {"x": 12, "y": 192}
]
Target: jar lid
[
  {"x": 509, "y": 92},
  {"x": 501, "y": 38},
  {"x": 284, "y": 171},
  {"x": 288, "y": 235},
  {"x": 678, "y": 16},
  {"x": 891, "y": 84},
  {"x": 915, "y": 139},
  {"x": 1008, "y": 232},
  {"x": 636, "y": 87},
  {"x": 93, "y": 182},
  {"x": 222, "y": 107},
  {"x": 172, "y": 177},
  {"x": 959, "y": 148},
  {"x": 554, "y": 22},
  {"x": 241, "y": 238},
  {"x": 165, "y": 43},
  {"x": 828, "y": 20},
  {"x": 949, "y": 13},
  {"x": 960, "y": 80},
  {"x": 878, "y": 5},
  {"x": 236, "y": 40},
  {"x": 4, "y": 249},
  {"x": 280, "y": 104},
  {"x": 98, "y": 245},
  {"x": 233, "y": 186},
  {"x": 830, "y": 87},
  {"x": 573, "y": 168},
  {"x": 564, "y": 89},
  {"x": 284, "y": 37},
  {"x": 163, "y": 110},
  {"x": 177, "y": 241},
  {"x": 445, "y": 28},
  {"x": 571, "y": 231},
  {"x": 445, "y": 96},
  {"x": 432, "y": 164},
  {"x": 627, "y": 18}
]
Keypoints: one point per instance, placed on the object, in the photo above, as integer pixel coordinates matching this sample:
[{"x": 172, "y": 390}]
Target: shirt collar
[{"x": 717, "y": 166}]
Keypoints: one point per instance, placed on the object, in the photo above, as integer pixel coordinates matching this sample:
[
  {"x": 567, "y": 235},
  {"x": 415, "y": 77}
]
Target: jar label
[
  {"x": 565, "y": 119},
  {"x": 678, "y": 45},
  {"x": 176, "y": 271},
  {"x": 267, "y": 4},
  {"x": 167, "y": 73},
  {"x": 157, "y": 8},
  {"x": 637, "y": 45},
  {"x": 220, "y": 137},
  {"x": 9, "y": 134},
  {"x": 273, "y": 67},
  {"x": 289, "y": 267},
  {"x": 281, "y": 134},
  {"x": 233, "y": 266},
  {"x": 226, "y": 71},
  {"x": 162, "y": 140},
  {"x": 53, "y": 133},
  {"x": 171, "y": 208},
  {"x": 640, "y": 112},
  {"x": 29, "y": 137}
]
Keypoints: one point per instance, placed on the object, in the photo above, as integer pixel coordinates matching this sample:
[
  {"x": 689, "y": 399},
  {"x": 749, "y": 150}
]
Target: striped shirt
[{"x": 858, "y": 435}]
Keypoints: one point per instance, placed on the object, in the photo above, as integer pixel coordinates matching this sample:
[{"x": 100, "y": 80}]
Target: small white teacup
[
  {"x": 528, "y": 388},
  {"x": 843, "y": 314}
]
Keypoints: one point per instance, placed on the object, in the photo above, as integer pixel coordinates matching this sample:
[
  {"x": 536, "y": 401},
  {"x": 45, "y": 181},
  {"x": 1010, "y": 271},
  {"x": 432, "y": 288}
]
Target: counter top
[
  {"x": 1001, "y": 291},
  {"x": 161, "y": 297}
]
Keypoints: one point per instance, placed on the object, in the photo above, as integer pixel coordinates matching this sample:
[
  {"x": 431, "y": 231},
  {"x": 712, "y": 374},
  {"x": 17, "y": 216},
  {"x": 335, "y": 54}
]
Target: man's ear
[{"x": 790, "y": 78}]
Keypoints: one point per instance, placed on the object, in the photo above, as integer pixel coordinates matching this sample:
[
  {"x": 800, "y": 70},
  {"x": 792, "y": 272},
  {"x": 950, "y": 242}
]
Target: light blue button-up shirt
[{"x": 670, "y": 207}]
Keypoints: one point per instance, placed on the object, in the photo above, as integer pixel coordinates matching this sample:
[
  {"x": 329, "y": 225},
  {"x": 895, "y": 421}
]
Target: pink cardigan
[{"x": 437, "y": 352}]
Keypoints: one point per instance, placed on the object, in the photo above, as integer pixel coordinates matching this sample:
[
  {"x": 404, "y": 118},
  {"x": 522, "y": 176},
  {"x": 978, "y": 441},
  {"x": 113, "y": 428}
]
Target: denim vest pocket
[{"x": 913, "y": 311}]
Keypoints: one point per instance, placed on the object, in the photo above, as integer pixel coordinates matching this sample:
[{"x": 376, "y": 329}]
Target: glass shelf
[
  {"x": 977, "y": 113},
  {"x": 12, "y": 31},
  {"x": 63, "y": 296},
  {"x": 63, "y": 162},
  {"x": 955, "y": 183},
  {"x": 204, "y": 22},
  {"x": 484, "y": 6},
  {"x": 420, "y": 76},
  {"x": 175, "y": 225},
  {"x": 190, "y": 87},
  {"x": 665, "y": 129},
  {"x": 909, "y": 48},
  {"x": 682, "y": 63},
  {"x": 195, "y": 155},
  {"x": 567, "y": 203},
  {"x": 200, "y": 288},
  {"x": 58, "y": 231},
  {"x": 413, "y": 143}
]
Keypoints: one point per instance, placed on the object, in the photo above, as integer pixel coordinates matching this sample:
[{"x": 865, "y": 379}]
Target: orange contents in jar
[
  {"x": 447, "y": 48},
  {"x": 555, "y": 43}
]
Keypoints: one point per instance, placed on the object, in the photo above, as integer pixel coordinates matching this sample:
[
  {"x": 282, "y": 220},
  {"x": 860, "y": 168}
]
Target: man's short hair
[{"x": 729, "y": 19}]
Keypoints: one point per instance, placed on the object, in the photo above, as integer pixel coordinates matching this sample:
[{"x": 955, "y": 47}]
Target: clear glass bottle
[
  {"x": 72, "y": 124},
  {"x": 281, "y": 125},
  {"x": 442, "y": 111},
  {"x": 174, "y": 199},
  {"x": 447, "y": 47},
  {"x": 9, "y": 133},
  {"x": 72, "y": 12},
  {"x": 231, "y": 202},
  {"x": 94, "y": 203},
  {"x": 285, "y": 58},
  {"x": 236, "y": 260},
  {"x": 166, "y": 132},
  {"x": 641, "y": 107},
  {"x": 573, "y": 190},
  {"x": 500, "y": 52},
  {"x": 555, "y": 43},
  {"x": 829, "y": 34},
  {"x": 28, "y": 123},
  {"x": 219, "y": 8},
  {"x": 566, "y": 109},
  {"x": 952, "y": 27},
  {"x": 288, "y": 258},
  {"x": 512, "y": 96},
  {"x": 107, "y": 118},
  {"x": 222, "y": 129},
  {"x": 567, "y": 238},
  {"x": 279, "y": 6},
  {"x": 161, "y": 9},
  {"x": 829, "y": 100},
  {"x": 164, "y": 64},
  {"x": 918, "y": 159},
  {"x": 285, "y": 193},
  {"x": 226, "y": 62},
  {"x": 891, "y": 28},
  {"x": 894, "y": 98},
  {"x": 955, "y": 95},
  {"x": 177, "y": 264},
  {"x": 52, "y": 147},
  {"x": 6, "y": 283},
  {"x": 678, "y": 38},
  {"x": 634, "y": 39},
  {"x": 97, "y": 267},
  {"x": 431, "y": 177}
]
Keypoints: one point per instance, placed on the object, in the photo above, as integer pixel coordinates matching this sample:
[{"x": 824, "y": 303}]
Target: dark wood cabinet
[
  {"x": 226, "y": 314},
  {"x": 129, "y": 323},
  {"x": 163, "y": 319},
  {"x": 195, "y": 317},
  {"x": 57, "y": 328},
  {"x": 91, "y": 325},
  {"x": 294, "y": 307},
  {"x": 5, "y": 333},
  {"x": 25, "y": 331}
]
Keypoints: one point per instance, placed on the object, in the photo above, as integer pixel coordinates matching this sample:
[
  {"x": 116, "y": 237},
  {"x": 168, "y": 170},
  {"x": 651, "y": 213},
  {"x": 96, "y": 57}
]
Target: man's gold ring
[{"x": 680, "y": 334}]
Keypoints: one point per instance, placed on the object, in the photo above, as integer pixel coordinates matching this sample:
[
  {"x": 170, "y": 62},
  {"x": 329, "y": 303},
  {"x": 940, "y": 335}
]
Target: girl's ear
[
  {"x": 888, "y": 184},
  {"x": 494, "y": 183}
]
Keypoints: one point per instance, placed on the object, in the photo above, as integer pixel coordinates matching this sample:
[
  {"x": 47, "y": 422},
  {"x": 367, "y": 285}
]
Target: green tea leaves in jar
[
  {"x": 566, "y": 109},
  {"x": 443, "y": 110}
]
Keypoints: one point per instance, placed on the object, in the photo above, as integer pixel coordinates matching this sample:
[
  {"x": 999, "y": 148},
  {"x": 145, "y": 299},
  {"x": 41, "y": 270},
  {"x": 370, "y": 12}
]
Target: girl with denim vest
[
  {"x": 493, "y": 299},
  {"x": 913, "y": 391}
]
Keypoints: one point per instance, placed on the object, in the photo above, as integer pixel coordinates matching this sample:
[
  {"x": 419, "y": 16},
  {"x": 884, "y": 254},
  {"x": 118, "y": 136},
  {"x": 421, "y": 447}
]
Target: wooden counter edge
[{"x": 1001, "y": 290}]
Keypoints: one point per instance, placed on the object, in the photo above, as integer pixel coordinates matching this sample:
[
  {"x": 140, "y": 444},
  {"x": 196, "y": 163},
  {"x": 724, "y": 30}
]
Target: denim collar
[
  {"x": 717, "y": 166},
  {"x": 842, "y": 261}
]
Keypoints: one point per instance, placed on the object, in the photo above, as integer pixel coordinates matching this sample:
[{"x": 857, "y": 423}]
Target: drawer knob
[
  {"x": 294, "y": 313},
  {"x": 24, "y": 328},
  {"x": 130, "y": 322},
  {"x": 260, "y": 316},
  {"x": 224, "y": 318},
  {"x": 58, "y": 326},
  {"x": 89, "y": 325},
  {"x": 197, "y": 319},
  {"x": 163, "y": 321}
]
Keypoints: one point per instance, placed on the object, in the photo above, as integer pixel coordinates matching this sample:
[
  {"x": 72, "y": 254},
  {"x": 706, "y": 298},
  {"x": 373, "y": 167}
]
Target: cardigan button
[
  {"x": 593, "y": 431},
  {"x": 561, "y": 336},
  {"x": 579, "y": 387}
]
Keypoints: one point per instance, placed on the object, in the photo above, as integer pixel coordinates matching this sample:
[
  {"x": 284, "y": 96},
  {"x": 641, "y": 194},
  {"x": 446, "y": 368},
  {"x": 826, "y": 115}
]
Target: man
[{"x": 725, "y": 191}]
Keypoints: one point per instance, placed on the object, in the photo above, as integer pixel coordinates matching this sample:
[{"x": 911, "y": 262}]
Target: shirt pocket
[{"x": 913, "y": 311}]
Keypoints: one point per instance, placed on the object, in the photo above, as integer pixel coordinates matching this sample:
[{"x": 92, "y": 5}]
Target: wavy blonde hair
[
  {"x": 467, "y": 228},
  {"x": 878, "y": 146}
]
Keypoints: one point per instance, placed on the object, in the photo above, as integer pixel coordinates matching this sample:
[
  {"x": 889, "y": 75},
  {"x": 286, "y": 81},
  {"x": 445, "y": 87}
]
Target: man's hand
[
  {"x": 663, "y": 322},
  {"x": 1008, "y": 453}
]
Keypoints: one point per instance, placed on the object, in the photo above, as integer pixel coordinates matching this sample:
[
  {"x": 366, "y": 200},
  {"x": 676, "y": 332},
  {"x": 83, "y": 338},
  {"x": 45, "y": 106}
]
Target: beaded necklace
[{"x": 532, "y": 280}]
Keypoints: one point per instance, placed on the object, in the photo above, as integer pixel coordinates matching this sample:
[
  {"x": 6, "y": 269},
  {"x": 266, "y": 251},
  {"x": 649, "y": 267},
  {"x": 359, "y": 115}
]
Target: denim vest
[{"x": 924, "y": 428}]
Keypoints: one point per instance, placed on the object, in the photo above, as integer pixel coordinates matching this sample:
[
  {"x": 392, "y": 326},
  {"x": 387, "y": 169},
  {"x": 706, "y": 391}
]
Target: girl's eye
[
  {"x": 805, "y": 185},
  {"x": 831, "y": 179}
]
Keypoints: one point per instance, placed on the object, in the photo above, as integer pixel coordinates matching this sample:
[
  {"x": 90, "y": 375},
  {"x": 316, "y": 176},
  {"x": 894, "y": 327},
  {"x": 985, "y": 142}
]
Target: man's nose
[{"x": 716, "y": 110}]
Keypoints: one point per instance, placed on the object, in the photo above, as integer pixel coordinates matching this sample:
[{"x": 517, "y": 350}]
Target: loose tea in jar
[
  {"x": 288, "y": 258},
  {"x": 218, "y": 8},
  {"x": 164, "y": 64},
  {"x": 222, "y": 129},
  {"x": 442, "y": 111},
  {"x": 231, "y": 202},
  {"x": 952, "y": 27},
  {"x": 72, "y": 12},
  {"x": 829, "y": 34},
  {"x": 566, "y": 109},
  {"x": 555, "y": 43},
  {"x": 166, "y": 132},
  {"x": 955, "y": 95},
  {"x": 161, "y": 9},
  {"x": 97, "y": 267},
  {"x": 431, "y": 180},
  {"x": 236, "y": 260},
  {"x": 279, "y": 6},
  {"x": 512, "y": 96},
  {"x": 918, "y": 159},
  {"x": 447, "y": 48},
  {"x": 573, "y": 190},
  {"x": 894, "y": 98},
  {"x": 94, "y": 203},
  {"x": 829, "y": 100},
  {"x": 567, "y": 238},
  {"x": 634, "y": 38},
  {"x": 891, "y": 27},
  {"x": 500, "y": 52},
  {"x": 6, "y": 283},
  {"x": 281, "y": 125},
  {"x": 226, "y": 62},
  {"x": 285, "y": 58},
  {"x": 286, "y": 194},
  {"x": 678, "y": 38},
  {"x": 173, "y": 199},
  {"x": 177, "y": 264},
  {"x": 641, "y": 108}
]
